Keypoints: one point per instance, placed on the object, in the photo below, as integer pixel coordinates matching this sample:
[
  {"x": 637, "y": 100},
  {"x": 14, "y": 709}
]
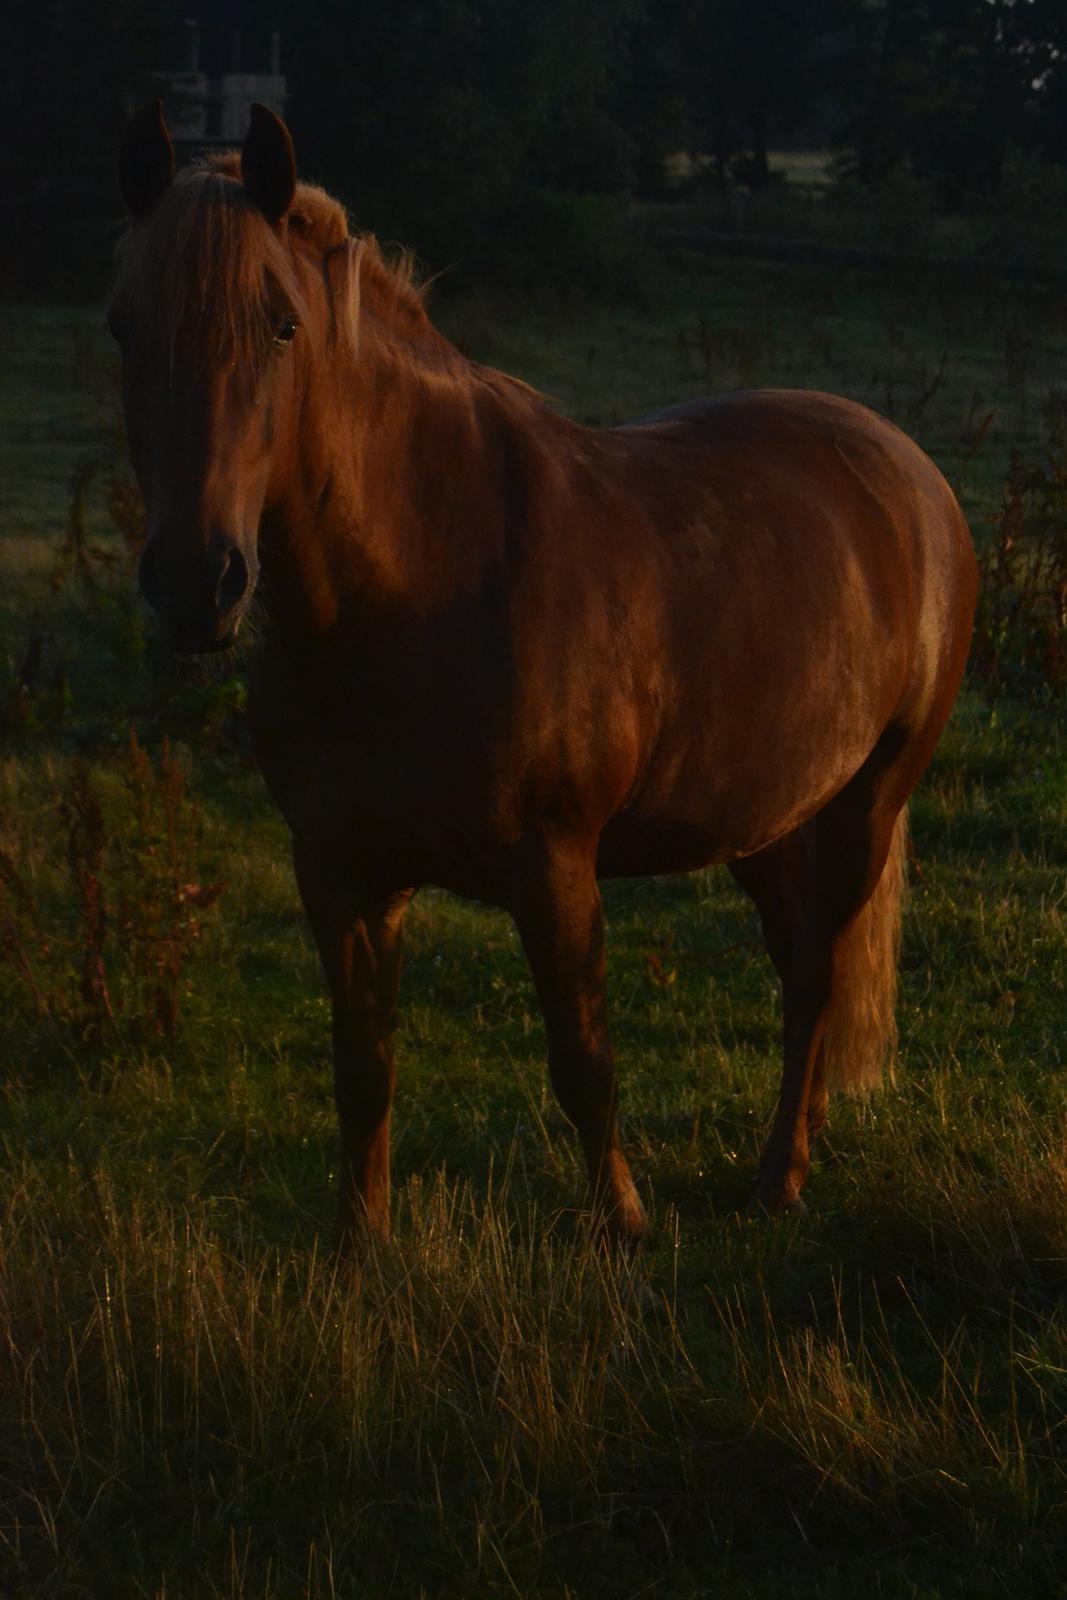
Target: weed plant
[
  {"x": 98, "y": 950},
  {"x": 1021, "y": 632},
  {"x": 195, "y": 1400}
]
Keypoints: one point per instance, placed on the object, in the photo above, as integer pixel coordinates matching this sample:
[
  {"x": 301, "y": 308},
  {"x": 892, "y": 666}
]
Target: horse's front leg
[
  {"x": 556, "y": 908},
  {"x": 358, "y": 932}
]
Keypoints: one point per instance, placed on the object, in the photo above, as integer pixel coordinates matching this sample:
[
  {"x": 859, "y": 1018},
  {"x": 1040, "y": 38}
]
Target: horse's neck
[{"x": 401, "y": 449}]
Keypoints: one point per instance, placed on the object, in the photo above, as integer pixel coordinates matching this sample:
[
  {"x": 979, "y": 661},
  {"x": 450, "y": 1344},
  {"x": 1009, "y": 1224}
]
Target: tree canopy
[{"x": 477, "y": 127}]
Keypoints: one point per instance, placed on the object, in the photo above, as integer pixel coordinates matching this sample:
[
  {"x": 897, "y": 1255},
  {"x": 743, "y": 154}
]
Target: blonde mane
[{"x": 224, "y": 275}]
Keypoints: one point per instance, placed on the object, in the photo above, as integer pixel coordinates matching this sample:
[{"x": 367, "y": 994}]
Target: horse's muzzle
[{"x": 200, "y": 599}]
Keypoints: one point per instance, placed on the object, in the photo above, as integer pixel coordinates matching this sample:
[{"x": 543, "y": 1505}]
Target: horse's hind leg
[
  {"x": 778, "y": 879},
  {"x": 852, "y": 841},
  {"x": 556, "y": 907}
]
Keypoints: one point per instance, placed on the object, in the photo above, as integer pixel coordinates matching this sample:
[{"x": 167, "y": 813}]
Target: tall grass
[{"x": 491, "y": 1402}]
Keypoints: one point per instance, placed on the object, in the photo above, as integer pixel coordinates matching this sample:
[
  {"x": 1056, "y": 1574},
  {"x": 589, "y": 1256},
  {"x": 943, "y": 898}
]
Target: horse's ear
[
  {"x": 268, "y": 165},
  {"x": 146, "y": 158}
]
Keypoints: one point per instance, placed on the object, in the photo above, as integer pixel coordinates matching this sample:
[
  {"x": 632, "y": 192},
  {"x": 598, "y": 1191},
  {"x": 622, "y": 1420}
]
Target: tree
[
  {"x": 724, "y": 76},
  {"x": 437, "y": 120},
  {"x": 947, "y": 87},
  {"x": 67, "y": 71}
]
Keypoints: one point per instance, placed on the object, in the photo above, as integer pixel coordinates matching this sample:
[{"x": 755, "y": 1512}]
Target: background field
[{"x": 869, "y": 1398}]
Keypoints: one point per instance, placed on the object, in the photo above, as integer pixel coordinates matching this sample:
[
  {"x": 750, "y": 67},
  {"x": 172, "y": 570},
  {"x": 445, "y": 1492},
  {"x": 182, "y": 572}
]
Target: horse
[{"x": 510, "y": 656}]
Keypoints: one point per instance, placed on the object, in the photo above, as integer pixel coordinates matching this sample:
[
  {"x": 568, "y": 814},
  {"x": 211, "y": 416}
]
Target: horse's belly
[
  {"x": 642, "y": 846},
  {"x": 732, "y": 796}
]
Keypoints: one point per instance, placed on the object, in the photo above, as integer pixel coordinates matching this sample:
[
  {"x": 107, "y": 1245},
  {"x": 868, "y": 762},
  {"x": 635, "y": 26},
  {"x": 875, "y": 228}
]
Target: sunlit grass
[{"x": 491, "y": 1402}]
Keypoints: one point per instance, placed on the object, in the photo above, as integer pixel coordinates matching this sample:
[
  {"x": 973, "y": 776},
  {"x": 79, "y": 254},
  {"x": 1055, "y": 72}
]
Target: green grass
[{"x": 869, "y": 1398}]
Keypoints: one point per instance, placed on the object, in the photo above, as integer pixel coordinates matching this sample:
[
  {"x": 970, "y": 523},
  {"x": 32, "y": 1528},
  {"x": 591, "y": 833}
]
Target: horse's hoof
[
  {"x": 624, "y": 1242},
  {"x": 356, "y": 1238},
  {"x": 623, "y": 1224},
  {"x": 763, "y": 1205}
]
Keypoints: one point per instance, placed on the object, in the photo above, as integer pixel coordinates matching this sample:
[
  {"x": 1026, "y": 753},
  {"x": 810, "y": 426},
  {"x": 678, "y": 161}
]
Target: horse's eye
[{"x": 285, "y": 334}]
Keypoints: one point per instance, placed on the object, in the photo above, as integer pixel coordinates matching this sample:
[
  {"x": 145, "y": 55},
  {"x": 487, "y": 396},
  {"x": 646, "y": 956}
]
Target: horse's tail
[{"x": 859, "y": 1044}]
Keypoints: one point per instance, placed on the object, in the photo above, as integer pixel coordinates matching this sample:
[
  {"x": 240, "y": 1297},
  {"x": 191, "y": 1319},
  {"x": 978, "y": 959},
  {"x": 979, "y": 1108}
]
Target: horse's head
[{"x": 211, "y": 293}]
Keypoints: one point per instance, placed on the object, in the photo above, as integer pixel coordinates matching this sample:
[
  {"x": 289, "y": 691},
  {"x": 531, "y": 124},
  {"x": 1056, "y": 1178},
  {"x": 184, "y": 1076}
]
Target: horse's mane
[{"x": 210, "y": 256}]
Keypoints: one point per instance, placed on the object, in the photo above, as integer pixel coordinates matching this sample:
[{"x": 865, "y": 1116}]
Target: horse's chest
[{"x": 371, "y": 771}]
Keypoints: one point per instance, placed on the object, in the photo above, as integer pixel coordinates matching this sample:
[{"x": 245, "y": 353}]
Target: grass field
[{"x": 869, "y": 1398}]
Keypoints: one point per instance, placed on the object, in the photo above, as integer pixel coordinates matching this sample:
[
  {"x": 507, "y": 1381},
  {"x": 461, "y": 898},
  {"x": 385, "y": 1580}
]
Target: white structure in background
[{"x": 203, "y": 111}]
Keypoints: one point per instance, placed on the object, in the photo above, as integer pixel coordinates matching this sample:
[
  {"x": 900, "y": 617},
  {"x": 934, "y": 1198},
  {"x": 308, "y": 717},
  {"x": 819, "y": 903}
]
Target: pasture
[{"x": 868, "y": 1397}]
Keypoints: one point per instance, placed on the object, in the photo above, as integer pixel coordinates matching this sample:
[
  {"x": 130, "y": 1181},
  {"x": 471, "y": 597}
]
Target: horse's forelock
[
  {"x": 197, "y": 276},
  {"x": 200, "y": 273}
]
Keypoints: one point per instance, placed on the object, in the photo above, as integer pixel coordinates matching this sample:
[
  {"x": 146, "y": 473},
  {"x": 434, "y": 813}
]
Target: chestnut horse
[{"x": 509, "y": 655}]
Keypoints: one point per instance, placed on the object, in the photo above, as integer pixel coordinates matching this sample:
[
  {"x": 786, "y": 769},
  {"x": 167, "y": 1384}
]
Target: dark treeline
[{"x": 502, "y": 135}]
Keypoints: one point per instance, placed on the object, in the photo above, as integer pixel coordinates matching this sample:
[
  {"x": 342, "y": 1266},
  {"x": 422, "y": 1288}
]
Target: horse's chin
[{"x": 186, "y": 644}]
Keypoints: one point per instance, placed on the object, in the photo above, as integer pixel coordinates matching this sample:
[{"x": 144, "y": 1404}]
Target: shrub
[
  {"x": 102, "y": 948},
  {"x": 1020, "y": 640}
]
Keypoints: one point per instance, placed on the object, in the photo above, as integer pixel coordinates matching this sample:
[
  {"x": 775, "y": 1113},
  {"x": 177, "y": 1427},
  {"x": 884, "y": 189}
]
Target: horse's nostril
[{"x": 233, "y": 584}]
